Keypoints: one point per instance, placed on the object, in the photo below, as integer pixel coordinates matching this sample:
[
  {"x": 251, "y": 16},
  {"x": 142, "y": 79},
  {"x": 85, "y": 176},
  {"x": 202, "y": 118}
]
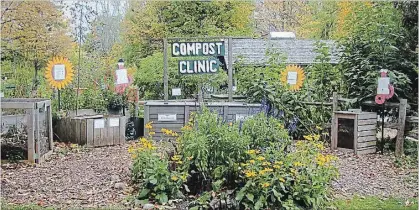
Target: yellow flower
[
  {"x": 190, "y": 158},
  {"x": 230, "y": 124},
  {"x": 252, "y": 161},
  {"x": 179, "y": 162},
  {"x": 277, "y": 166},
  {"x": 266, "y": 163},
  {"x": 250, "y": 174},
  {"x": 265, "y": 185},
  {"x": 244, "y": 164},
  {"x": 316, "y": 137},
  {"x": 279, "y": 163},
  {"x": 320, "y": 146},
  {"x": 152, "y": 133},
  {"x": 175, "y": 178},
  {"x": 268, "y": 169},
  {"x": 174, "y": 134},
  {"x": 282, "y": 179},
  {"x": 183, "y": 177},
  {"x": 296, "y": 164},
  {"x": 163, "y": 130},
  {"x": 260, "y": 158},
  {"x": 187, "y": 127},
  {"x": 318, "y": 127},
  {"x": 176, "y": 158},
  {"x": 148, "y": 125},
  {"x": 262, "y": 172},
  {"x": 309, "y": 137},
  {"x": 299, "y": 143},
  {"x": 133, "y": 156},
  {"x": 251, "y": 152}
]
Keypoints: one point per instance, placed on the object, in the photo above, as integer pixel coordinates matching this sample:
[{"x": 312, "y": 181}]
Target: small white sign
[
  {"x": 113, "y": 122},
  {"x": 242, "y": 117},
  {"x": 383, "y": 84},
  {"x": 292, "y": 78},
  {"x": 59, "y": 72},
  {"x": 234, "y": 88},
  {"x": 99, "y": 123},
  {"x": 167, "y": 117},
  {"x": 121, "y": 76},
  {"x": 176, "y": 92}
]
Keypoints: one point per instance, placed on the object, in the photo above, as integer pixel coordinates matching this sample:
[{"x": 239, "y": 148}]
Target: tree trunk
[{"x": 35, "y": 80}]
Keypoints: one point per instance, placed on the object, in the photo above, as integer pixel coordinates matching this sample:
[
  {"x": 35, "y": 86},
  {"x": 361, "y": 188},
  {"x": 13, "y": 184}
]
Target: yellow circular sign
[
  {"x": 293, "y": 77},
  {"x": 59, "y": 72}
]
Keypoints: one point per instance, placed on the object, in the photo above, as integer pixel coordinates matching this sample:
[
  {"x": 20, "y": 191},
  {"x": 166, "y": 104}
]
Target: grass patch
[{"x": 376, "y": 203}]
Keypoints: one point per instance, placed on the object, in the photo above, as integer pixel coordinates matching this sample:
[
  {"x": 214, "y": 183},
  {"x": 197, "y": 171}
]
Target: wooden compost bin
[
  {"x": 92, "y": 131},
  {"x": 174, "y": 115},
  {"x": 28, "y": 120},
  {"x": 363, "y": 139}
]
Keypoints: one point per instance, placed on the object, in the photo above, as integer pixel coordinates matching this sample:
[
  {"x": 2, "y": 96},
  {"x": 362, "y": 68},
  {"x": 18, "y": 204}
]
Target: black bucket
[{"x": 134, "y": 128}]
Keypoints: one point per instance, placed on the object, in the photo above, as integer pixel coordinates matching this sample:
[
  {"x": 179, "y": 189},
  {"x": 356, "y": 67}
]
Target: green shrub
[
  {"x": 151, "y": 174},
  {"x": 236, "y": 165}
]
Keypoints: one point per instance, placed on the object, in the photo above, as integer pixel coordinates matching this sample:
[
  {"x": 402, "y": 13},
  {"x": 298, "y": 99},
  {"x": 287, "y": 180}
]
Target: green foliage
[
  {"x": 371, "y": 202},
  {"x": 376, "y": 42},
  {"x": 264, "y": 130},
  {"x": 275, "y": 178},
  {"x": 151, "y": 173}
]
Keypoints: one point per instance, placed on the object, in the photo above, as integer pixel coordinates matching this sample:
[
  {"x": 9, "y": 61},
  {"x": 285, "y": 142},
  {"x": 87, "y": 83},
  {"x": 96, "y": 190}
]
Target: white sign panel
[
  {"x": 292, "y": 78},
  {"x": 176, "y": 92},
  {"x": 234, "y": 88},
  {"x": 121, "y": 76},
  {"x": 99, "y": 123},
  {"x": 167, "y": 117},
  {"x": 242, "y": 117},
  {"x": 383, "y": 84},
  {"x": 59, "y": 72},
  {"x": 113, "y": 122}
]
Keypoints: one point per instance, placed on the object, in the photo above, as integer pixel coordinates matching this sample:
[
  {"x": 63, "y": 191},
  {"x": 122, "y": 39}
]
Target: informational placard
[
  {"x": 242, "y": 117},
  {"x": 185, "y": 49},
  {"x": 99, "y": 123},
  {"x": 167, "y": 117},
  {"x": 176, "y": 92},
  {"x": 114, "y": 122},
  {"x": 234, "y": 88},
  {"x": 121, "y": 76},
  {"x": 383, "y": 85},
  {"x": 59, "y": 72},
  {"x": 292, "y": 78}
]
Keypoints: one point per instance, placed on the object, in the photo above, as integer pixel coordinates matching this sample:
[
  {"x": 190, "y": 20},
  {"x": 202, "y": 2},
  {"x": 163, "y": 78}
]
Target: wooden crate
[
  {"x": 36, "y": 122},
  {"x": 92, "y": 131},
  {"x": 364, "y": 130}
]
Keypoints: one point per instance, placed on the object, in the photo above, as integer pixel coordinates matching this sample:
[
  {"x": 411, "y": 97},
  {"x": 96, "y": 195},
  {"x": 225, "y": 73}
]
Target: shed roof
[{"x": 253, "y": 51}]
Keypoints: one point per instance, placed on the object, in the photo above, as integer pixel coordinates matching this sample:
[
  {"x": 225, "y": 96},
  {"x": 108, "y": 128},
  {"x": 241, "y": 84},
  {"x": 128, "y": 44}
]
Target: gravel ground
[
  {"x": 374, "y": 174},
  {"x": 92, "y": 178},
  {"x": 99, "y": 177}
]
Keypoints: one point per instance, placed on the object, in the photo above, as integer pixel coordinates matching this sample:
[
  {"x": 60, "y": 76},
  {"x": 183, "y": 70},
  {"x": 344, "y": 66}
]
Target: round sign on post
[
  {"x": 59, "y": 72},
  {"x": 293, "y": 76}
]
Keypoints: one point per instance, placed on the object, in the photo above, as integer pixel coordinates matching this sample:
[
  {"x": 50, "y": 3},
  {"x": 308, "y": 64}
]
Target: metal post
[
  {"x": 230, "y": 69},
  {"x": 165, "y": 76},
  {"x": 59, "y": 100},
  {"x": 382, "y": 129},
  {"x": 78, "y": 72}
]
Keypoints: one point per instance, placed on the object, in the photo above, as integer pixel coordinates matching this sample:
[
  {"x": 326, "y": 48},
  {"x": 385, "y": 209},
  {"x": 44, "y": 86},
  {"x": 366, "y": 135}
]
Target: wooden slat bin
[
  {"x": 92, "y": 131},
  {"x": 363, "y": 139}
]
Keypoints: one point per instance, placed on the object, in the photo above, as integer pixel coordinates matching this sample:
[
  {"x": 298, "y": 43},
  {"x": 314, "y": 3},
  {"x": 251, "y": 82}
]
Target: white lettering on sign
[
  {"x": 113, "y": 122},
  {"x": 59, "y": 72},
  {"x": 99, "y": 123},
  {"x": 198, "y": 48},
  {"x": 241, "y": 117},
  {"x": 166, "y": 117},
  {"x": 198, "y": 66}
]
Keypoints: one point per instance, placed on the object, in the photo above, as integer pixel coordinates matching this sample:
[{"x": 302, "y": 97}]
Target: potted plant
[{"x": 116, "y": 103}]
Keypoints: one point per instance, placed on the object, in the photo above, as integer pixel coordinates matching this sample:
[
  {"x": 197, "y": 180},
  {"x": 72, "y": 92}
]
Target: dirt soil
[{"x": 99, "y": 177}]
